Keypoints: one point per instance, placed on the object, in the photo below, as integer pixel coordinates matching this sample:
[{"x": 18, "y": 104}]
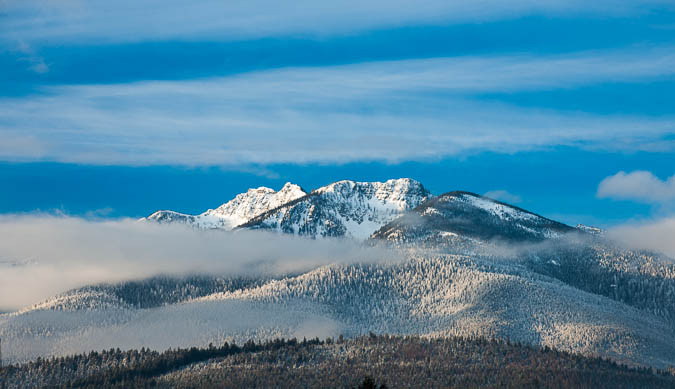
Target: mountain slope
[
  {"x": 430, "y": 295},
  {"x": 639, "y": 278},
  {"x": 146, "y": 293},
  {"x": 461, "y": 217},
  {"x": 344, "y": 209},
  {"x": 239, "y": 210}
]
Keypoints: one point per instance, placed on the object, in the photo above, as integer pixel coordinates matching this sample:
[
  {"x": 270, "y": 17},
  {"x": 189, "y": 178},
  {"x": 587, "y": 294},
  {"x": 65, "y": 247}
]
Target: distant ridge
[{"x": 461, "y": 215}]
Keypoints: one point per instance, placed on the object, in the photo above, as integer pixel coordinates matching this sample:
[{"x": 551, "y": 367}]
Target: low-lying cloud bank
[
  {"x": 42, "y": 255},
  {"x": 656, "y": 235},
  {"x": 645, "y": 187}
]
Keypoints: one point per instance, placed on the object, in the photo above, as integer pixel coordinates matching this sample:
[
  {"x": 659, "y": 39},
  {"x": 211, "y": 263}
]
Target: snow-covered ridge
[
  {"x": 239, "y": 210},
  {"x": 519, "y": 218},
  {"x": 167, "y": 216},
  {"x": 83, "y": 299},
  {"x": 460, "y": 218},
  {"x": 396, "y": 195},
  {"x": 496, "y": 208},
  {"x": 344, "y": 209}
]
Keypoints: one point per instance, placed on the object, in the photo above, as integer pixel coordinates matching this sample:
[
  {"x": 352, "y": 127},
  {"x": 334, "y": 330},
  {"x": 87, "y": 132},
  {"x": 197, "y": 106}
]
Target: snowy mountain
[
  {"x": 534, "y": 280},
  {"x": 457, "y": 218},
  {"x": 398, "y": 210},
  {"x": 239, "y": 210},
  {"x": 344, "y": 209}
]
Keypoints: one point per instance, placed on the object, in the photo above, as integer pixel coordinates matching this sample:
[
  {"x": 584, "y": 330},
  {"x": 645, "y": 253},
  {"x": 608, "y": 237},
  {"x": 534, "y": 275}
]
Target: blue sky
[{"x": 118, "y": 108}]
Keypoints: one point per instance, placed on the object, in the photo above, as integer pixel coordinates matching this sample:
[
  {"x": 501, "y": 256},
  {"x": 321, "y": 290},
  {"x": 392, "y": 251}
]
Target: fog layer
[
  {"x": 656, "y": 235},
  {"x": 42, "y": 255}
]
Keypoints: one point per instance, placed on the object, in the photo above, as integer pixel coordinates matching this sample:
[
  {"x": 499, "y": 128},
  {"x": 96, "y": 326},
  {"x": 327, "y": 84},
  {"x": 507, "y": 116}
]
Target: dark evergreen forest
[{"x": 367, "y": 362}]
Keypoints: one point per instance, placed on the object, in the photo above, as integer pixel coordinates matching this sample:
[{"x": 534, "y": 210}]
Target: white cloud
[
  {"x": 638, "y": 185},
  {"x": 387, "y": 111},
  {"x": 44, "y": 255},
  {"x": 503, "y": 195},
  {"x": 127, "y": 20},
  {"x": 654, "y": 235}
]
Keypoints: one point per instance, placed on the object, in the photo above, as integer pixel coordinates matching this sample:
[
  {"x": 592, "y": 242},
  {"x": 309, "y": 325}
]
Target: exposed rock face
[{"x": 344, "y": 209}]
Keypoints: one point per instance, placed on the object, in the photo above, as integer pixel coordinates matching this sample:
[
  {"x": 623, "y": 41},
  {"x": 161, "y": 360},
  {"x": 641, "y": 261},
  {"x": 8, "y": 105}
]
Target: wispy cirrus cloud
[
  {"x": 27, "y": 55},
  {"x": 119, "y": 21},
  {"x": 384, "y": 111}
]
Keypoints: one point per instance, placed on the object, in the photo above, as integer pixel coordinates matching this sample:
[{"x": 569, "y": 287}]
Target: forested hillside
[
  {"x": 451, "y": 362},
  {"x": 642, "y": 279}
]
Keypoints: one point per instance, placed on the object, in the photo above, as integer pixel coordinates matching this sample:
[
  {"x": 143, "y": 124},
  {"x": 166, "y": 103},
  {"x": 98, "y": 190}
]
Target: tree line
[{"x": 366, "y": 362}]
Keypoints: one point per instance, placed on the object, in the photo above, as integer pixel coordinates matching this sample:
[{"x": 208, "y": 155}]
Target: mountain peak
[
  {"x": 395, "y": 183},
  {"x": 394, "y": 193},
  {"x": 239, "y": 210},
  {"x": 166, "y": 216},
  {"x": 345, "y": 208},
  {"x": 290, "y": 187},
  {"x": 260, "y": 189}
]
